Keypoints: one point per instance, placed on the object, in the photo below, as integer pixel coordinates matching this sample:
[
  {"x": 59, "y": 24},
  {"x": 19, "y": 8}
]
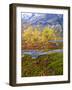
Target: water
[
  {"x": 35, "y": 53},
  {"x": 54, "y": 41}
]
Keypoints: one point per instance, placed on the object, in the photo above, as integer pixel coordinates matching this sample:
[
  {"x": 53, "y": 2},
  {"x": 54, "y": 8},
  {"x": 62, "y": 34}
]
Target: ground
[{"x": 45, "y": 65}]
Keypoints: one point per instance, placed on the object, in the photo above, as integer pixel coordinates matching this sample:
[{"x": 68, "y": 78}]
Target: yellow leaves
[
  {"x": 35, "y": 33},
  {"x": 38, "y": 38},
  {"x": 27, "y": 34},
  {"x": 48, "y": 33},
  {"x": 30, "y": 35}
]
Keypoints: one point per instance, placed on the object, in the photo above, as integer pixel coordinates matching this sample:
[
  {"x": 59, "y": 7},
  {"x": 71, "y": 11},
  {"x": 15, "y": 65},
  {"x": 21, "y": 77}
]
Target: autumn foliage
[{"x": 33, "y": 38}]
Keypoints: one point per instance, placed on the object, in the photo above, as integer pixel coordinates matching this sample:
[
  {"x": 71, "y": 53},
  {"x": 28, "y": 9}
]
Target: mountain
[{"x": 40, "y": 20}]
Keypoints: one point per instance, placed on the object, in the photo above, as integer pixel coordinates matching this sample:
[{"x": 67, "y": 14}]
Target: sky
[{"x": 41, "y": 18}]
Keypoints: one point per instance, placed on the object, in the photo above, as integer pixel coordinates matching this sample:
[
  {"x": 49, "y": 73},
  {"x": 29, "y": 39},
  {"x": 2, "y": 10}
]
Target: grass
[{"x": 45, "y": 65}]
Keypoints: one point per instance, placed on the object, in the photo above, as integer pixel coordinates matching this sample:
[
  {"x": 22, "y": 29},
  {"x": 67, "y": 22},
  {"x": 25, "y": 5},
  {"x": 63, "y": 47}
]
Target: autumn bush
[{"x": 33, "y": 38}]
